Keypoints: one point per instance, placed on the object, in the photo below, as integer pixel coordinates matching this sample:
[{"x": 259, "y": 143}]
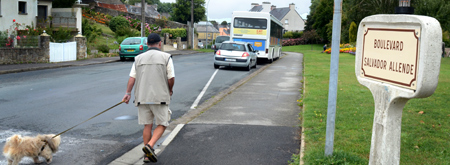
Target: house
[
  {"x": 224, "y": 30},
  {"x": 150, "y": 10},
  {"x": 206, "y": 29},
  {"x": 26, "y": 12},
  {"x": 37, "y": 13},
  {"x": 288, "y": 16}
]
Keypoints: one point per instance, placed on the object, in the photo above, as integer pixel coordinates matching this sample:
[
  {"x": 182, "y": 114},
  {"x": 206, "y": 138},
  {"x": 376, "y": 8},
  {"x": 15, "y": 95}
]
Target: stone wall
[
  {"x": 37, "y": 55},
  {"x": 27, "y": 55}
]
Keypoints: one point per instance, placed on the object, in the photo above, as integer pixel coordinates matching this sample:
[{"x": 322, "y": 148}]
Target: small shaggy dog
[{"x": 17, "y": 147}]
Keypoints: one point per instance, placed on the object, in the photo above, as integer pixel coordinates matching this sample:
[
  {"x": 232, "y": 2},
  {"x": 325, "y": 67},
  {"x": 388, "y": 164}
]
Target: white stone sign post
[{"x": 397, "y": 58}]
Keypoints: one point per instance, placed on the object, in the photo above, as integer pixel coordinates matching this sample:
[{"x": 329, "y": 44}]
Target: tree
[
  {"x": 215, "y": 24},
  {"x": 224, "y": 23},
  {"x": 181, "y": 10},
  {"x": 63, "y": 3},
  {"x": 439, "y": 9},
  {"x": 353, "y": 32},
  {"x": 322, "y": 16},
  {"x": 311, "y": 36},
  {"x": 165, "y": 7}
]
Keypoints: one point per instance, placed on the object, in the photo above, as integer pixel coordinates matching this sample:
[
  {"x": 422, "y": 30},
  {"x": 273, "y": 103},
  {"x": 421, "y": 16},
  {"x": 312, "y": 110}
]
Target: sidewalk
[
  {"x": 255, "y": 121},
  {"x": 14, "y": 68}
]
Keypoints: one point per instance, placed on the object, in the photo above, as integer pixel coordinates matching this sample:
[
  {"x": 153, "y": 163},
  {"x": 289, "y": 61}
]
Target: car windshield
[
  {"x": 131, "y": 41},
  {"x": 232, "y": 46},
  {"x": 221, "y": 39}
]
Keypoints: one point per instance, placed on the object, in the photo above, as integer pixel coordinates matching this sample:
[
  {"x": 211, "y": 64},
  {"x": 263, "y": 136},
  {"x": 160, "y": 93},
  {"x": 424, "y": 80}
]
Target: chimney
[
  {"x": 273, "y": 7},
  {"x": 292, "y": 6},
  {"x": 266, "y": 7},
  {"x": 254, "y": 4}
]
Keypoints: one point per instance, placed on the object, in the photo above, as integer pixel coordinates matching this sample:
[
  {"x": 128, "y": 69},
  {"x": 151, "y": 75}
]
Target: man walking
[{"x": 154, "y": 76}]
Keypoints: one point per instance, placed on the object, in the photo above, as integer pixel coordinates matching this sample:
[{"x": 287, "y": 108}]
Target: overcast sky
[{"x": 220, "y": 10}]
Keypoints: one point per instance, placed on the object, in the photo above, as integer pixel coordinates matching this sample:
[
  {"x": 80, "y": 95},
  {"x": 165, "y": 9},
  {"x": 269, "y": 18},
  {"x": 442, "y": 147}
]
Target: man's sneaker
[{"x": 150, "y": 153}]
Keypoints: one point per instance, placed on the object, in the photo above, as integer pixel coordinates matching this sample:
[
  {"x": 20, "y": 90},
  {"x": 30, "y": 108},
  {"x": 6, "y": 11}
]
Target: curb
[{"x": 51, "y": 67}]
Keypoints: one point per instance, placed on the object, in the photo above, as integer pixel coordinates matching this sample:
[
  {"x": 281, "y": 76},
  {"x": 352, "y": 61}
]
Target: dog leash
[
  {"x": 89, "y": 119},
  {"x": 46, "y": 142}
]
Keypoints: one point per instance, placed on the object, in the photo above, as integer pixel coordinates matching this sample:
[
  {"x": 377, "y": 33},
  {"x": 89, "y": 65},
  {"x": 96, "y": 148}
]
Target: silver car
[{"x": 235, "y": 54}]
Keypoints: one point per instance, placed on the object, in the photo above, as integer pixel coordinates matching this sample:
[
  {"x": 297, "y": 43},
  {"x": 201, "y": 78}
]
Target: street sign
[
  {"x": 398, "y": 58},
  {"x": 391, "y": 56}
]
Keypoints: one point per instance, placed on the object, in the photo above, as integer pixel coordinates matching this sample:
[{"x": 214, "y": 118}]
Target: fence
[
  {"x": 23, "y": 41},
  {"x": 63, "y": 51}
]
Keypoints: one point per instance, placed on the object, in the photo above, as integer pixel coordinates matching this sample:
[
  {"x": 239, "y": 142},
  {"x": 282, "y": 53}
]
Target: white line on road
[{"x": 194, "y": 105}]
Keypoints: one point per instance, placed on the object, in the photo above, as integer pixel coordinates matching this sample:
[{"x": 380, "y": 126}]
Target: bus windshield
[{"x": 250, "y": 23}]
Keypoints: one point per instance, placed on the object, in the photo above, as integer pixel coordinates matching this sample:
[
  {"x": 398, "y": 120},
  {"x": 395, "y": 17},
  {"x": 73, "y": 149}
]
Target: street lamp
[{"x": 404, "y": 7}]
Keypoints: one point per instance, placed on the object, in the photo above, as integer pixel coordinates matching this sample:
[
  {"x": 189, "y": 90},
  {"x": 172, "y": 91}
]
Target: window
[
  {"x": 22, "y": 7},
  {"x": 251, "y": 23},
  {"x": 286, "y": 21}
]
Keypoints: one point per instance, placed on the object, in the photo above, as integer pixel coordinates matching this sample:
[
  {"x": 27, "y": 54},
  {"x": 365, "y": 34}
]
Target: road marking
[{"x": 194, "y": 105}]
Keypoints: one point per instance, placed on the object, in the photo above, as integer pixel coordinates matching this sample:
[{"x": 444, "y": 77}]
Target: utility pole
[
  {"x": 142, "y": 18},
  {"x": 192, "y": 22}
]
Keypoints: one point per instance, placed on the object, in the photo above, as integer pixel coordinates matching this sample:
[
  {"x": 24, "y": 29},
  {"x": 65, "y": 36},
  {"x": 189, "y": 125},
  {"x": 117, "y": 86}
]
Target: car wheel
[
  {"x": 216, "y": 66},
  {"x": 122, "y": 58},
  {"x": 248, "y": 68},
  {"x": 254, "y": 66}
]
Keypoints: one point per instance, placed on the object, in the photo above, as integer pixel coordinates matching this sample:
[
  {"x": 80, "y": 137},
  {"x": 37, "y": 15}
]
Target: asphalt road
[{"x": 53, "y": 100}]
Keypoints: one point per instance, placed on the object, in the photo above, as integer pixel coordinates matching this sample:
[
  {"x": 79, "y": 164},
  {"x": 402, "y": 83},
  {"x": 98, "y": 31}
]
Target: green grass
[
  {"x": 103, "y": 40},
  {"x": 104, "y": 28},
  {"x": 205, "y": 50},
  {"x": 424, "y": 138}
]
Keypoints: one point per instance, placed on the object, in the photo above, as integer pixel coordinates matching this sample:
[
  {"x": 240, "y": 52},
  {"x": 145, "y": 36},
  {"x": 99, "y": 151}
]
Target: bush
[
  {"x": 103, "y": 48},
  {"x": 118, "y": 21},
  {"x": 446, "y": 38},
  {"x": 291, "y": 42},
  {"x": 178, "y": 32},
  {"x": 352, "y": 32},
  {"x": 120, "y": 39},
  {"x": 61, "y": 35},
  {"x": 297, "y": 34},
  {"x": 90, "y": 31},
  {"x": 126, "y": 31},
  {"x": 287, "y": 35}
]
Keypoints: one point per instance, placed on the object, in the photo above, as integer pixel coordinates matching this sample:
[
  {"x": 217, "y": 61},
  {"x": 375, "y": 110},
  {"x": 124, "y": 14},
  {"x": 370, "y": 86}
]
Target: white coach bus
[{"x": 261, "y": 29}]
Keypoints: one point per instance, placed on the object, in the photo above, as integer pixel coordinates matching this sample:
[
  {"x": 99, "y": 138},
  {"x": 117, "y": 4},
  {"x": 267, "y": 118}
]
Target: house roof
[
  {"x": 257, "y": 8},
  {"x": 211, "y": 29},
  {"x": 121, "y": 7},
  {"x": 279, "y": 13}
]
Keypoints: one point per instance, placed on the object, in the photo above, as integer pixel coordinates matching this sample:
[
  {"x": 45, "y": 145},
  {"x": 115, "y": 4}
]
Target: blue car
[{"x": 132, "y": 46}]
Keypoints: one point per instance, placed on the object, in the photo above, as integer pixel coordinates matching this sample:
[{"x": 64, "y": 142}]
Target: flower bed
[
  {"x": 96, "y": 16},
  {"x": 344, "y": 48}
]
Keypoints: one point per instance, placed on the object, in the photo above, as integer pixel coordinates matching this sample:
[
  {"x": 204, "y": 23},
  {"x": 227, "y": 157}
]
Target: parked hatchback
[
  {"x": 235, "y": 54},
  {"x": 132, "y": 46}
]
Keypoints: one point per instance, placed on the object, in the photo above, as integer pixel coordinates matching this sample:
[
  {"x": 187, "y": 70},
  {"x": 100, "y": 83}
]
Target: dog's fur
[{"x": 17, "y": 147}]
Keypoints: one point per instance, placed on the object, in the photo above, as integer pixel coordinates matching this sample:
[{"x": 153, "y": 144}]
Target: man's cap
[{"x": 153, "y": 38}]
